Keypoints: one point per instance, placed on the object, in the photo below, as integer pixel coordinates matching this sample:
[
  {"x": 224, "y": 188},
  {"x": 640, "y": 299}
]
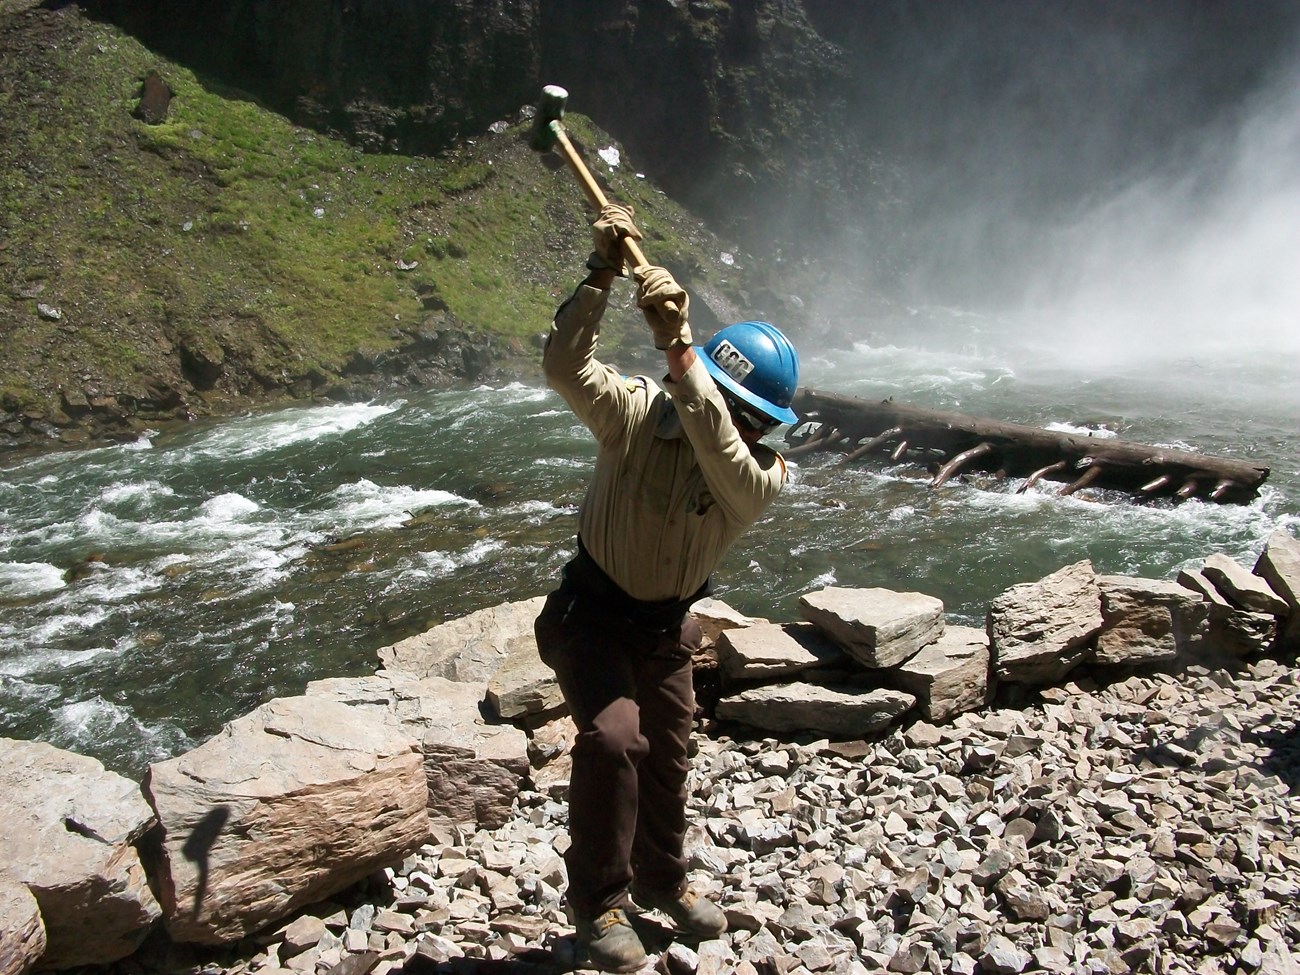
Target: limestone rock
[
  {"x": 1143, "y": 618},
  {"x": 1241, "y": 587},
  {"x": 69, "y": 832},
  {"x": 1196, "y": 580},
  {"x": 22, "y": 932},
  {"x": 1227, "y": 630},
  {"x": 473, "y": 763},
  {"x": 767, "y": 651},
  {"x": 1002, "y": 956},
  {"x": 1241, "y": 633},
  {"x": 469, "y": 649},
  {"x": 1040, "y": 630},
  {"x": 523, "y": 686},
  {"x": 846, "y": 712},
  {"x": 878, "y": 627},
  {"x": 716, "y": 617},
  {"x": 291, "y": 803},
  {"x": 1279, "y": 566},
  {"x": 951, "y": 675},
  {"x": 549, "y": 755}
]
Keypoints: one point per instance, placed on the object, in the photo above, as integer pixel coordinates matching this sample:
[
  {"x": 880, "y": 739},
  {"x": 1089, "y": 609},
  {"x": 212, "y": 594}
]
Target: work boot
[
  {"x": 608, "y": 942},
  {"x": 691, "y": 913}
]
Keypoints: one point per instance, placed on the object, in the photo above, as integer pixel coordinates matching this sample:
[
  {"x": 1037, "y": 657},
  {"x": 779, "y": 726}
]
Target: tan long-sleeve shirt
[{"x": 674, "y": 484}]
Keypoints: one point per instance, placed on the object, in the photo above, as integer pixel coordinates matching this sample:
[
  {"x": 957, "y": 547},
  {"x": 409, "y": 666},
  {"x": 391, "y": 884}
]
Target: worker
[{"x": 680, "y": 474}]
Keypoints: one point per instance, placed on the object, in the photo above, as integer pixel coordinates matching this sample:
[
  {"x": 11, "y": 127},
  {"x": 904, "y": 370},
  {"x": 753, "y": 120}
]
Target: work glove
[
  {"x": 607, "y": 233},
  {"x": 664, "y": 303}
]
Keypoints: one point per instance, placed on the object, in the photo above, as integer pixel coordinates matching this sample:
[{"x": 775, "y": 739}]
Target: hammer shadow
[{"x": 198, "y": 846}]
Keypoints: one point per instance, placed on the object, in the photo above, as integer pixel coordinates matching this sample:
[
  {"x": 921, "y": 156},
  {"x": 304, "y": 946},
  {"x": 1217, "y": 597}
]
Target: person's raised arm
[
  {"x": 666, "y": 306},
  {"x": 680, "y": 358}
]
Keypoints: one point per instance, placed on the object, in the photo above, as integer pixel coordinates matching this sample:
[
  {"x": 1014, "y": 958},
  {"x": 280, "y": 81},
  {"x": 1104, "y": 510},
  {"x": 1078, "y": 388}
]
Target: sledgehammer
[{"x": 549, "y": 134}]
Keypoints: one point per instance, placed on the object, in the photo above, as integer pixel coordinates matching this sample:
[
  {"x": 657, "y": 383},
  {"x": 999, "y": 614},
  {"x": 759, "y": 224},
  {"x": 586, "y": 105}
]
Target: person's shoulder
[
  {"x": 642, "y": 384},
  {"x": 768, "y": 459}
]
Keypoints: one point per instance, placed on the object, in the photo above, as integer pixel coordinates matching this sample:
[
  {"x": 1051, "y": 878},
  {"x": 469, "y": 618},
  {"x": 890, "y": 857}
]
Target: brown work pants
[{"x": 630, "y": 692}]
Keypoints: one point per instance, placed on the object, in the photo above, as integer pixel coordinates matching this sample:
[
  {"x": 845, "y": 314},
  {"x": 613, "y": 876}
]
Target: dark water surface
[{"x": 219, "y": 584}]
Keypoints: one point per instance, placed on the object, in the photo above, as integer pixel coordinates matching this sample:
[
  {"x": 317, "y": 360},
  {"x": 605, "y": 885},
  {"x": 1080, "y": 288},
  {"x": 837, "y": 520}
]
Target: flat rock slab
[
  {"x": 474, "y": 763},
  {"x": 1241, "y": 587},
  {"x": 469, "y": 649},
  {"x": 70, "y": 828},
  {"x": 950, "y": 676},
  {"x": 769, "y": 650},
  {"x": 1146, "y": 620},
  {"x": 1198, "y": 582},
  {"x": 877, "y": 627},
  {"x": 1039, "y": 631},
  {"x": 22, "y": 932},
  {"x": 840, "y": 712},
  {"x": 715, "y": 617},
  {"x": 285, "y": 806}
]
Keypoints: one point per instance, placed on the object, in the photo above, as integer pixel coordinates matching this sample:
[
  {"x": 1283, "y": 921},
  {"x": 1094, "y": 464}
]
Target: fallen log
[{"x": 954, "y": 443}]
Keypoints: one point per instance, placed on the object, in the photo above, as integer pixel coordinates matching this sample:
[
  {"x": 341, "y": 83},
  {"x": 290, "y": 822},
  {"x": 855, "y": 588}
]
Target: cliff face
[
  {"x": 710, "y": 95},
  {"x": 870, "y": 136},
  {"x": 389, "y": 75}
]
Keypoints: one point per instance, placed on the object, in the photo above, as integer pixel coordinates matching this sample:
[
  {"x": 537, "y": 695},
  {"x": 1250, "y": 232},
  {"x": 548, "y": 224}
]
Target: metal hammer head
[{"x": 550, "y": 109}]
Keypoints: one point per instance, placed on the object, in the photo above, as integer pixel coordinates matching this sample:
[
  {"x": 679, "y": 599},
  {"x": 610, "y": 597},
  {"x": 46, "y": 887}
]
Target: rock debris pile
[{"x": 1147, "y": 825}]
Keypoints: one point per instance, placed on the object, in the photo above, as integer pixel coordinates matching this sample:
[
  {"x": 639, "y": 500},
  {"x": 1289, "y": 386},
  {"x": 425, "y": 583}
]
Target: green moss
[{"x": 228, "y": 229}]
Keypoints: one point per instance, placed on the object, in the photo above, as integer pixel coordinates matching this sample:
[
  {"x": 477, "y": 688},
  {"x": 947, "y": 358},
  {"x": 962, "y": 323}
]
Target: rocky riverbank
[
  {"x": 1149, "y": 824},
  {"x": 1104, "y": 782}
]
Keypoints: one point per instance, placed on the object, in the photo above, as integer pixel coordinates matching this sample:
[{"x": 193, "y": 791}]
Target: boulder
[
  {"x": 523, "y": 686},
  {"x": 494, "y": 646},
  {"x": 843, "y": 712},
  {"x": 474, "y": 764},
  {"x": 1227, "y": 631},
  {"x": 155, "y": 98},
  {"x": 22, "y": 932},
  {"x": 716, "y": 616},
  {"x": 469, "y": 649},
  {"x": 1279, "y": 566},
  {"x": 769, "y": 650},
  {"x": 285, "y": 806},
  {"x": 549, "y": 753},
  {"x": 1242, "y": 587},
  {"x": 1039, "y": 631},
  {"x": 1146, "y": 620},
  {"x": 70, "y": 828},
  {"x": 878, "y": 627},
  {"x": 1241, "y": 633},
  {"x": 950, "y": 676}
]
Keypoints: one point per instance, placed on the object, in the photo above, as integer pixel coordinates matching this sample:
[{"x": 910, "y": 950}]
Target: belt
[{"x": 588, "y": 583}]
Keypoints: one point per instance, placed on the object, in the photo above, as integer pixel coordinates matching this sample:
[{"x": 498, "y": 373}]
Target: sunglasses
[{"x": 749, "y": 418}]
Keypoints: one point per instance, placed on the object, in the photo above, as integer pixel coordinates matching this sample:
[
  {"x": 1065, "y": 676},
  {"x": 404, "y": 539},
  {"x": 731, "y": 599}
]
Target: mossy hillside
[{"x": 266, "y": 251}]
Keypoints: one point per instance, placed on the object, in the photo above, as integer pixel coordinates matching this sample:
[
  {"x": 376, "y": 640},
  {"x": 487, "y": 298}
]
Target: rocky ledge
[{"x": 1109, "y": 787}]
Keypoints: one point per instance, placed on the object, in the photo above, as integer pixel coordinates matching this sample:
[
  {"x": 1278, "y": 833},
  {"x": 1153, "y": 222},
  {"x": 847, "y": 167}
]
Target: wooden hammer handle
[{"x": 595, "y": 196}]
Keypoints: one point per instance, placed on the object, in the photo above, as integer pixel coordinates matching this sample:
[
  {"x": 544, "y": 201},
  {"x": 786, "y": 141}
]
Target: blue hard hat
[{"x": 757, "y": 364}]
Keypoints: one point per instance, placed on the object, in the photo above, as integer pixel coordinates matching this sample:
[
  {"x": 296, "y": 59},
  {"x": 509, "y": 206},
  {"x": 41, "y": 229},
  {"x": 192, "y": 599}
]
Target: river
[{"x": 150, "y": 592}]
